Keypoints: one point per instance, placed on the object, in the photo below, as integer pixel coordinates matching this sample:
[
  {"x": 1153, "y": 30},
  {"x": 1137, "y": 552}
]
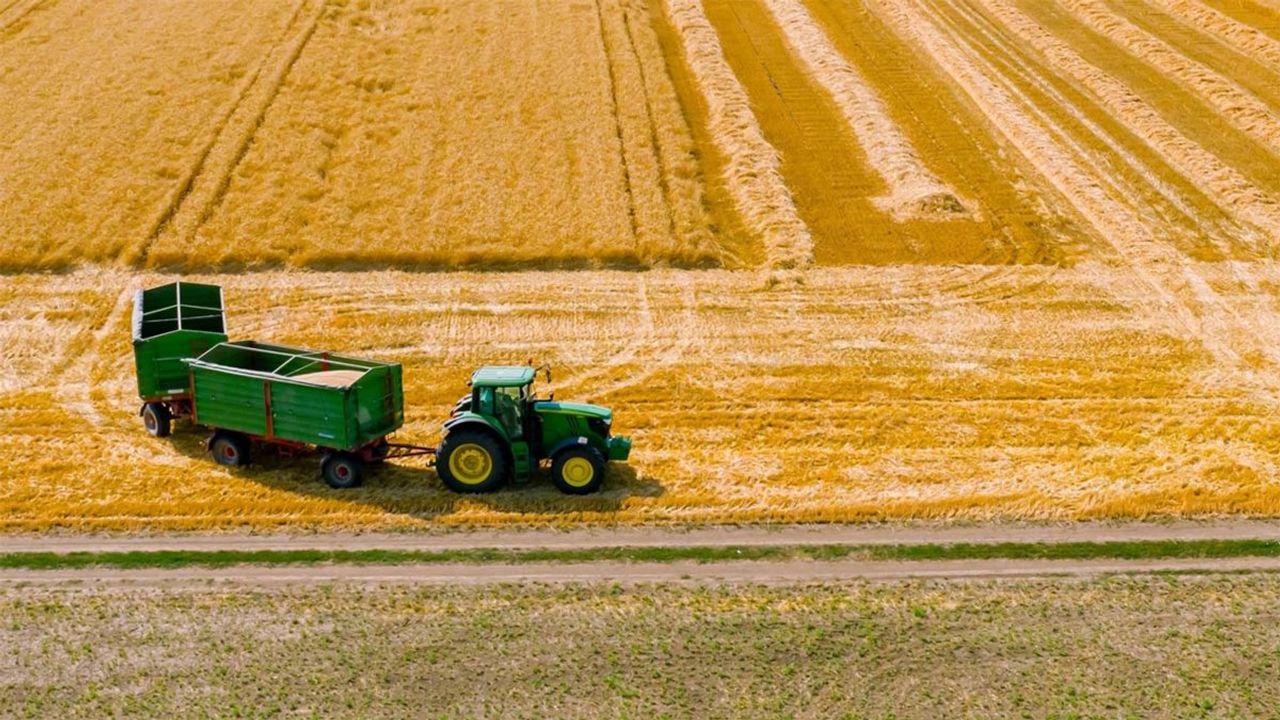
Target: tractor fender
[
  {"x": 472, "y": 421},
  {"x": 568, "y": 442}
]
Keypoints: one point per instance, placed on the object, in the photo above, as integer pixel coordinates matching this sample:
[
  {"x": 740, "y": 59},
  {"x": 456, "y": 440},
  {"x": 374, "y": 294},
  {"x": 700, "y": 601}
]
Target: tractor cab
[{"x": 502, "y": 431}]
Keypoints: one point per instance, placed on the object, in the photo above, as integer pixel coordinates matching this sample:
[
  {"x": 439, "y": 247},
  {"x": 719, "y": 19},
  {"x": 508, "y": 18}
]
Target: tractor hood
[{"x": 570, "y": 408}]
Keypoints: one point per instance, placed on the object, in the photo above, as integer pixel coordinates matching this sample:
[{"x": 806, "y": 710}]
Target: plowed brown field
[{"x": 827, "y": 260}]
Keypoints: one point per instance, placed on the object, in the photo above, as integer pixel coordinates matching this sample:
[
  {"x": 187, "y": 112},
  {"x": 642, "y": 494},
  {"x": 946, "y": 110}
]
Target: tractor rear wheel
[
  {"x": 578, "y": 470},
  {"x": 472, "y": 462},
  {"x": 342, "y": 470},
  {"x": 157, "y": 419},
  {"x": 230, "y": 449}
]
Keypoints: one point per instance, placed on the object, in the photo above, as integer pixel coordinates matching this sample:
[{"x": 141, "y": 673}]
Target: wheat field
[{"x": 846, "y": 260}]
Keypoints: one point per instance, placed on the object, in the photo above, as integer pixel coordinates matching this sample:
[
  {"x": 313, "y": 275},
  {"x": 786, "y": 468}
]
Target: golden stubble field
[{"x": 828, "y": 260}]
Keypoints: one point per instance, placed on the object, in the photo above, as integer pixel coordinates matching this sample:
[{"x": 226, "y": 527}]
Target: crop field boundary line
[
  {"x": 182, "y": 210},
  {"x": 759, "y": 565},
  {"x": 663, "y": 536}
]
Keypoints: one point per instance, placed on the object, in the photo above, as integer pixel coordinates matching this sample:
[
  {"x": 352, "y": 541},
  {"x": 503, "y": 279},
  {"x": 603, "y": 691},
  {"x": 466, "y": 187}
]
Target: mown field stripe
[
  {"x": 753, "y": 173},
  {"x": 913, "y": 189},
  {"x": 1138, "y": 550},
  {"x": 1243, "y": 40},
  {"x": 1233, "y": 191},
  {"x": 1241, "y": 109}
]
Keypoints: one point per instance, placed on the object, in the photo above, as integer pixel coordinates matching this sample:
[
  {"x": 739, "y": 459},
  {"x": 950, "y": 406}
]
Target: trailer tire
[
  {"x": 157, "y": 419},
  {"x": 578, "y": 470},
  {"x": 471, "y": 461},
  {"x": 230, "y": 449},
  {"x": 342, "y": 470}
]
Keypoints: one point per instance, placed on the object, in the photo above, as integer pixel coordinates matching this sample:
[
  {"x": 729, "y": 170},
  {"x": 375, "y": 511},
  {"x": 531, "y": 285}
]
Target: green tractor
[{"x": 501, "y": 431}]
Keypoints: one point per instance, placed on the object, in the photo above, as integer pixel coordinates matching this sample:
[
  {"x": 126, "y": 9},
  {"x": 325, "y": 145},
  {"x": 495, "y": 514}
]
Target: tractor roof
[{"x": 502, "y": 376}]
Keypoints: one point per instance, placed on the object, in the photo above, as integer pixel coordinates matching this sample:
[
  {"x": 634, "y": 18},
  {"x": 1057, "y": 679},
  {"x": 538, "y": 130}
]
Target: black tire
[
  {"x": 578, "y": 470},
  {"x": 471, "y": 461},
  {"x": 230, "y": 449},
  {"x": 342, "y": 470},
  {"x": 157, "y": 419}
]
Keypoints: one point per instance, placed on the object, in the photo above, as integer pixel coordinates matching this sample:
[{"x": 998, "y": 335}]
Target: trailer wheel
[
  {"x": 471, "y": 462},
  {"x": 157, "y": 419},
  {"x": 578, "y": 470},
  {"x": 342, "y": 470},
  {"x": 230, "y": 449}
]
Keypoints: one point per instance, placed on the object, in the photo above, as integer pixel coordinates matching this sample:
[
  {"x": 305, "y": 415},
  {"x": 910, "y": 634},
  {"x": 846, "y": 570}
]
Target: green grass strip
[{"x": 960, "y": 551}]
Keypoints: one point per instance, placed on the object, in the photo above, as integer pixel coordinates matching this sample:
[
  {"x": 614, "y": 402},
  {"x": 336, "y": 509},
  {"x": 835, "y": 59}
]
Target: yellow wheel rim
[
  {"x": 578, "y": 471},
  {"x": 470, "y": 464}
]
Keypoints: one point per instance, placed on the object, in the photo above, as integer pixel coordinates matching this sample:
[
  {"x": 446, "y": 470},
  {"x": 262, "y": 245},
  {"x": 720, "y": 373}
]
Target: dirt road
[
  {"x": 779, "y": 571},
  {"x": 651, "y": 536},
  {"x": 763, "y": 572}
]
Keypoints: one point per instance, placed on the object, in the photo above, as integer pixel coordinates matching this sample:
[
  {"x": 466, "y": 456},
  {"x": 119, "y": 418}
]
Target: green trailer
[
  {"x": 344, "y": 406},
  {"x": 249, "y": 392}
]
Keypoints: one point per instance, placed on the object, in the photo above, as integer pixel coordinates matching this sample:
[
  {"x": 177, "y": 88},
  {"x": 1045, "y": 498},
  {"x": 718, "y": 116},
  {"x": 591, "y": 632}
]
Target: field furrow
[
  {"x": 1128, "y": 169},
  {"x": 1024, "y": 216},
  {"x": 13, "y": 15},
  {"x": 1262, "y": 15},
  {"x": 826, "y": 167}
]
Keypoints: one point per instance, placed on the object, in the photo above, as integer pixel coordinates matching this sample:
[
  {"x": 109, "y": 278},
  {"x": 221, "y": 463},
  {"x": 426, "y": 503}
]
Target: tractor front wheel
[
  {"x": 578, "y": 470},
  {"x": 342, "y": 470},
  {"x": 472, "y": 462},
  {"x": 230, "y": 449},
  {"x": 157, "y": 419}
]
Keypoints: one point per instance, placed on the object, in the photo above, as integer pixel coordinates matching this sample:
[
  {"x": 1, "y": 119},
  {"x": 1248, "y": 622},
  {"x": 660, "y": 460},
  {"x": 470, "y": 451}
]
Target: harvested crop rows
[
  {"x": 1037, "y": 394},
  {"x": 827, "y": 260}
]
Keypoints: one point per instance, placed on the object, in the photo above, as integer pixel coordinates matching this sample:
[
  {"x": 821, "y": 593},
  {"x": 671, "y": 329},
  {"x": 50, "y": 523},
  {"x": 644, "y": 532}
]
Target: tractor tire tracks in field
[{"x": 196, "y": 198}]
